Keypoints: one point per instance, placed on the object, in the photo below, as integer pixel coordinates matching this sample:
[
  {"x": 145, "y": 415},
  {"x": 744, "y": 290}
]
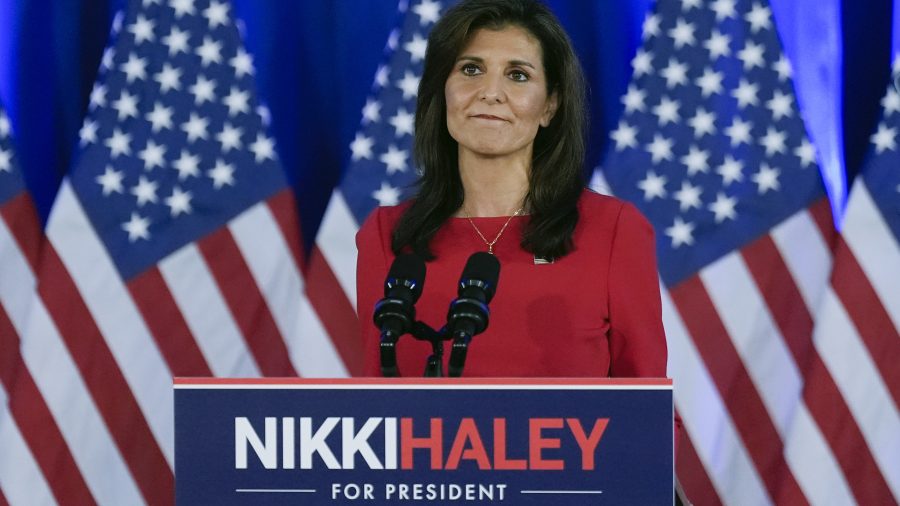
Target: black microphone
[
  {"x": 396, "y": 312},
  {"x": 469, "y": 313}
]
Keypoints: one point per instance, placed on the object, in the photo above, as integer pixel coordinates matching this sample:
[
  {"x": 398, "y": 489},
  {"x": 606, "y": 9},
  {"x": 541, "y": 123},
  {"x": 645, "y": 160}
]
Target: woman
[{"x": 500, "y": 142}]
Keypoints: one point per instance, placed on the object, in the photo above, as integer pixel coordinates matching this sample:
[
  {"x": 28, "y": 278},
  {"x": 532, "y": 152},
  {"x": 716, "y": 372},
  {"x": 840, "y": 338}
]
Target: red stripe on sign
[
  {"x": 334, "y": 309},
  {"x": 36, "y": 423},
  {"x": 698, "y": 488},
  {"x": 442, "y": 383},
  {"x": 3, "y": 501},
  {"x": 744, "y": 404},
  {"x": 167, "y": 325},
  {"x": 820, "y": 392},
  {"x": 284, "y": 209},
  {"x": 872, "y": 321},
  {"x": 246, "y": 303},
  {"x": 21, "y": 218},
  {"x": 104, "y": 380}
]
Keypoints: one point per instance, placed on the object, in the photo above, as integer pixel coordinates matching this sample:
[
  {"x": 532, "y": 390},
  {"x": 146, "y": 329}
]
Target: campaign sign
[{"x": 402, "y": 441}]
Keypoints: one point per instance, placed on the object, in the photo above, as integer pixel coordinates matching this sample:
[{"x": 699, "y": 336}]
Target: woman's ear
[{"x": 550, "y": 111}]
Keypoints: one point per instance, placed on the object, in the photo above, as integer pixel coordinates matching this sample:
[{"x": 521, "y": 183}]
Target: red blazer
[{"x": 595, "y": 312}]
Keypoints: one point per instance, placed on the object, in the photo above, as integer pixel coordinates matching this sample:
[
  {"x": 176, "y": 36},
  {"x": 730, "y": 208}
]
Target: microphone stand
[{"x": 434, "y": 365}]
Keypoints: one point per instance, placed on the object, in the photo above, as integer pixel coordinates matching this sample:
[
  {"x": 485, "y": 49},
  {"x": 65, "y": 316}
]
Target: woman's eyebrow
[{"x": 478, "y": 59}]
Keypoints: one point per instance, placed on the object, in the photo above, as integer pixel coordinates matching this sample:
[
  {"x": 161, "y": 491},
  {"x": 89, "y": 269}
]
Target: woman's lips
[{"x": 488, "y": 117}]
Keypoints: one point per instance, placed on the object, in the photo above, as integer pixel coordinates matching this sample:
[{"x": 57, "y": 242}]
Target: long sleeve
[
  {"x": 371, "y": 269},
  {"x": 637, "y": 339}
]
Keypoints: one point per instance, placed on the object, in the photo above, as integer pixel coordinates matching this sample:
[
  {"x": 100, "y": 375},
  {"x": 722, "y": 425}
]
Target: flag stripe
[
  {"x": 245, "y": 301},
  {"x": 273, "y": 269},
  {"x": 284, "y": 210},
  {"x": 864, "y": 228},
  {"x": 3, "y": 501},
  {"x": 270, "y": 260},
  {"x": 820, "y": 394},
  {"x": 102, "y": 298},
  {"x": 820, "y": 211},
  {"x": 807, "y": 255},
  {"x": 692, "y": 477},
  {"x": 805, "y": 449},
  {"x": 781, "y": 296},
  {"x": 741, "y": 306},
  {"x": 20, "y": 476},
  {"x": 35, "y": 423},
  {"x": 16, "y": 277},
  {"x": 335, "y": 310},
  {"x": 706, "y": 420},
  {"x": 320, "y": 358},
  {"x": 59, "y": 385},
  {"x": 738, "y": 391},
  {"x": 67, "y": 395},
  {"x": 336, "y": 241},
  {"x": 197, "y": 295},
  {"x": 166, "y": 323},
  {"x": 813, "y": 463},
  {"x": 872, "y": 323},
  {"x": 21, "y": 218},
  {"x": 113, "y": 398},
  {"x": 862, "y": 387}
]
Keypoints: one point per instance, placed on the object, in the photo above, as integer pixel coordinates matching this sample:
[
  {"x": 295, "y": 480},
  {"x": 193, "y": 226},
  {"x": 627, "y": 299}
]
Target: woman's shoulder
[
  {"x": 595, "y": 207},
  {"x": 595, "y": 204},
  {"x": 382, "y": 219},
  {"x": 389, "y": 215}
]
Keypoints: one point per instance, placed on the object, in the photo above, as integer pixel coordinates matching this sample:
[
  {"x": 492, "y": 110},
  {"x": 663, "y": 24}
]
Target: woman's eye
[
  {"x": 518, "y": 75},
  {"x": 470, "y": 69}
]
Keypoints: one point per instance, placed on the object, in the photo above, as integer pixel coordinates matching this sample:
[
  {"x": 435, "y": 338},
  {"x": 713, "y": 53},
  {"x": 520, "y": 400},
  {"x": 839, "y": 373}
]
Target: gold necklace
[{"x": 491, "y": 244}]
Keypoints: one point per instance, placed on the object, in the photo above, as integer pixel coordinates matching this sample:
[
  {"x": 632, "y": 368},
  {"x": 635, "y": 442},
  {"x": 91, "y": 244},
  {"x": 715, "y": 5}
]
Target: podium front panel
[{"x": 330, "y": 442}]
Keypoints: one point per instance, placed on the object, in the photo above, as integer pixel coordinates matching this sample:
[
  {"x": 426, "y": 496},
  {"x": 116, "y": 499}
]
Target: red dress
[{"x": 595, "y": 312}]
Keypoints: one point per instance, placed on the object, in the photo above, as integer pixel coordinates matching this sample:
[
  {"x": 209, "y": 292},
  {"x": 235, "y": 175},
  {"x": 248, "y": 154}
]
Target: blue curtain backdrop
[{"x": 316, "y": 60}]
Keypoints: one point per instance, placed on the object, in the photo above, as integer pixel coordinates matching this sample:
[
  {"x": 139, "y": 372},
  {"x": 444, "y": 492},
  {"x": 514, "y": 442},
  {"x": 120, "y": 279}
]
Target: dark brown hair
[{"x": 556, "y": 176}]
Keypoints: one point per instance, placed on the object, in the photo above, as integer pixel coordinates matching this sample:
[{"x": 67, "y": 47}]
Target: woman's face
[{"x": 497, "y": 93}]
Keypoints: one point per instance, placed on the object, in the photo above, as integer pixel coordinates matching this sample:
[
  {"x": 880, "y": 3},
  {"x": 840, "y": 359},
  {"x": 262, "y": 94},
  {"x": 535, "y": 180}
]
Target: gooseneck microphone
[
  {"x": 469, "y": 313},
  {"x": 395, "y": 314}
]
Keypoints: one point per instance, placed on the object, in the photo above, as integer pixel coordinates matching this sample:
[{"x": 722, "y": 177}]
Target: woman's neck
[{"x": 494, "y": 186}]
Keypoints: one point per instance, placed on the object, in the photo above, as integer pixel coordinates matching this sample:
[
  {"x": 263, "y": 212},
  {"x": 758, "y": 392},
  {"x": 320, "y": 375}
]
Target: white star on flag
[
  {"x": 387, "y": 195},
  {"x": 137, "y": 228},
  {"x": 681, "y": 233},
  {"x": 428, "y": 12},
  {"x": 403, "y": 122},
  {"x": 111, "y": 181},
  {"x": 361, "y": 147},
  {"x": 653, "y": 186}
]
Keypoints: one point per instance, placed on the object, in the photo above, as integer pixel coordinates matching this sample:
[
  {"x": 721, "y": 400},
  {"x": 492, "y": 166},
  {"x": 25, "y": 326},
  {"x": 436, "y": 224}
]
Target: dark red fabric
[{"x": 595, "y": 312}]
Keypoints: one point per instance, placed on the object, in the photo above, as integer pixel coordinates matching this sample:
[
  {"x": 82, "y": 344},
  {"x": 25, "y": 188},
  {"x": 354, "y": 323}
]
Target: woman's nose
[{"x": 492, "y": 90}]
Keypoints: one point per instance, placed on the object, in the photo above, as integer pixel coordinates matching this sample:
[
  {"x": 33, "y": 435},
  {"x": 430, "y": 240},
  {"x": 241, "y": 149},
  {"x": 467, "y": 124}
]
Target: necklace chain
[{"x": 491, "y": 244}]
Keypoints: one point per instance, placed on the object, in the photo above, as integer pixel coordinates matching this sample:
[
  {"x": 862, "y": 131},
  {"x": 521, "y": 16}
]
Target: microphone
[
  {"x": 468, "y": 314},
  {"x": 396, "y": 312}
]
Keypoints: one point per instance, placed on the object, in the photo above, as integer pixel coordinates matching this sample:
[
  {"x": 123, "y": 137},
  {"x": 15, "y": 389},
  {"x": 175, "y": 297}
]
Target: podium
[{"x": 423, "y": 441}]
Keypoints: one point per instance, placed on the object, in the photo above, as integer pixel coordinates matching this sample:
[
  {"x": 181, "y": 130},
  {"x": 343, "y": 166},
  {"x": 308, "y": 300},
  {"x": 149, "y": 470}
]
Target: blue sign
[{"x": 330, "y": 442}]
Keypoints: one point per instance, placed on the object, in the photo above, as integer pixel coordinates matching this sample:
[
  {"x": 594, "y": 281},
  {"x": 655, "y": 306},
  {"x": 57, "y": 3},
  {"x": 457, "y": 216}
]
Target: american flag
[
  {"x": 22, "y": 423},
  {"x": 713, "y": 150},
  {"x": 858, "y": 321},
  {"x": 172, "y": 249},
  {"x": 381, "y": 172}
]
